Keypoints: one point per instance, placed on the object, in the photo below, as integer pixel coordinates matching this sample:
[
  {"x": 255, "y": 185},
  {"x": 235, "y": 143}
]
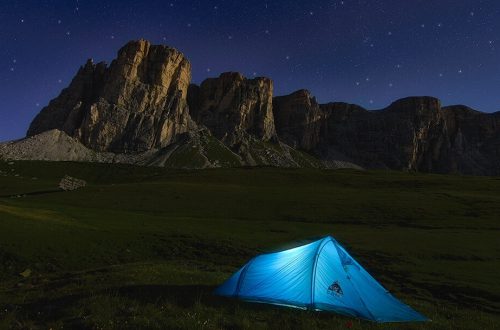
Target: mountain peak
[
  {"x": 416, "y": 102},
  {"x": 144, "y": 104},
  {"x": 136, "y": 104}
]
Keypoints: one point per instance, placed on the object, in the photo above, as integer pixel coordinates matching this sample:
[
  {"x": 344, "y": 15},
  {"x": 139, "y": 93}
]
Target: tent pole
[
  {"x": 240, "y": 280},
  {"x": 313, "y": 274}
]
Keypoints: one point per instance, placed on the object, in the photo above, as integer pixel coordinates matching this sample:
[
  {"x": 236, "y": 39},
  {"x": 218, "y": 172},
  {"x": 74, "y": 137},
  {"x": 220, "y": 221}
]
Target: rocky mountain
[
  {"x": 232, "y": 106},
  {"x": 299, "y": 119},
  {"x": 416, "y": 134},
  {"x": 137, "y": 103},
  {"x": 143, "y": 109}
]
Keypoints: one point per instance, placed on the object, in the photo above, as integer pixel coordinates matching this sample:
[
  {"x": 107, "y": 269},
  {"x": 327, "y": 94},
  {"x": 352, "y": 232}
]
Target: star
[
  {"x": 208, "y": 69},
  {"x": 68, "y": 33},
  {"x": 357, "y": 83},
  {"x": 112, "y": 36},
  {"x": 422, "y": 25},
  {"x": 440, "y": 75},
  {"x": 439, "y": 24},
  {"x": 287, "y": 57},
  {"x": 22, "y": 20},
  {"x": 460, "y": 71},
  {"x": 367, "y": 79},
  {"x": 230, "y": 37},
  {"x": 59, "y": 80},
  {"x": 390, "y": 85},
  {"x": 12, "y": 69},
  {"x": 389, "y": 33}
]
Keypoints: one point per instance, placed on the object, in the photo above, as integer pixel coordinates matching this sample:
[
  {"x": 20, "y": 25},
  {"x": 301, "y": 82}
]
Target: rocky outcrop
[
  {"x": 142, "y": 109},
  {"x": 469, "y": 143},
  {"x": 136, "y": 104},
  {"x": 232, "y": 106},
  {"x": 394, "y": 138},
  {"x": 52, "y": 145},
  {"x": 298, "y": 119},
  {"x": 413, "y": 133},
  {"x": 139, "y": 110},
  {"x": 193, "y": 149},
  {"x": 417, "y": 134}
]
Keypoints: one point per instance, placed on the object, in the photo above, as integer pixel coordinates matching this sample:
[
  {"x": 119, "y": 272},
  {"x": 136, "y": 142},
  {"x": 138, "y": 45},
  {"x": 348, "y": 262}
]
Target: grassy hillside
[{"x": 145, "y": 247}]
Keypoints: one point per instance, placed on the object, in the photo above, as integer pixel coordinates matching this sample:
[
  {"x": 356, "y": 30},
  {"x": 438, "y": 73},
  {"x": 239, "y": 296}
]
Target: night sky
[{"x": 369, "y": 52}]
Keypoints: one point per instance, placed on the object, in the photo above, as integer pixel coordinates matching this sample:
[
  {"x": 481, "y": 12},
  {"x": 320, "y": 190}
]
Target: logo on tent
[{"x": 335, "y": 290}]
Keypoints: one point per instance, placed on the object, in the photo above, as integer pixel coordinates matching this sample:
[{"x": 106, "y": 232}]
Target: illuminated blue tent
[{"x": 319, "y": 276}]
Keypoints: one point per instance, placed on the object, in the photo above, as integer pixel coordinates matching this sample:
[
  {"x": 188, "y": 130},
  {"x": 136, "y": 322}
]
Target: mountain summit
[
  {"x": 137, "y": 103},
  {"x": 143, "y": 109}
]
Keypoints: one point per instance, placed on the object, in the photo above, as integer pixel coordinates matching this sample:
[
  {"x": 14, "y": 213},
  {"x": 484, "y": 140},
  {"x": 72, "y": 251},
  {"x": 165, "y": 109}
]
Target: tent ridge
[
  {"x": 242, "y": 276},
  {"x": 324, "y": 241}
]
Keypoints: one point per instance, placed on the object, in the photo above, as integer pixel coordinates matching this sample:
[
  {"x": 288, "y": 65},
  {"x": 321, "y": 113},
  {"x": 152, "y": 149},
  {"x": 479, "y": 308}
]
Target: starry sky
[{"x": 369, "y": 52}]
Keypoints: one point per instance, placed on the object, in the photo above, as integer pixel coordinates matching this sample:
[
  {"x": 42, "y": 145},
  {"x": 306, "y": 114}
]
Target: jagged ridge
[{"x": 142, "y": 109}]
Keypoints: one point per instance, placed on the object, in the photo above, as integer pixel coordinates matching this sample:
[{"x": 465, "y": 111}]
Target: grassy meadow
[{"x": 145, "y": 247}]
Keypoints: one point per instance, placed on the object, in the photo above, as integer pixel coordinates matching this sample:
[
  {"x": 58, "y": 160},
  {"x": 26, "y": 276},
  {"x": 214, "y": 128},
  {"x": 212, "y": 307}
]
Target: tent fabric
[{"x": 318, "y": 276}]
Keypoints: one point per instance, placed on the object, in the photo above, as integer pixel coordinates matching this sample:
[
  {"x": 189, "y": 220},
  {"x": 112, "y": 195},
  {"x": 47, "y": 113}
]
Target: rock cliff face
[
  {"x": 469, "y": 143},
  {"x": 414, "y": 133},
  {"x": 394, "y": 137},
  {"x": 137, "y": 103},
  {"x": 142, "y": 109},
  {"x": 298, "y": 119},
  {"x": 418, "y": 134},
  {"x": 232, "y": 106}
]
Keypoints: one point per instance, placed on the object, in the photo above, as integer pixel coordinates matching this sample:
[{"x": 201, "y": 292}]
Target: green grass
[
  {"x": 216, "y": 150},
  {"x": 186, "y": 155},
  {"x": 196, "y": 155},
  {"x": 305, "y": 160},
  {"x": 145, "y": 247}
]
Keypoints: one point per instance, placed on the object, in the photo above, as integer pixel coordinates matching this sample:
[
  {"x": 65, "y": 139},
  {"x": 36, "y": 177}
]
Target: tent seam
[
  {"x": 315, "y": 263},
  {"x": 242, "y": 275},
  {"x": 359, "y": 295}
]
